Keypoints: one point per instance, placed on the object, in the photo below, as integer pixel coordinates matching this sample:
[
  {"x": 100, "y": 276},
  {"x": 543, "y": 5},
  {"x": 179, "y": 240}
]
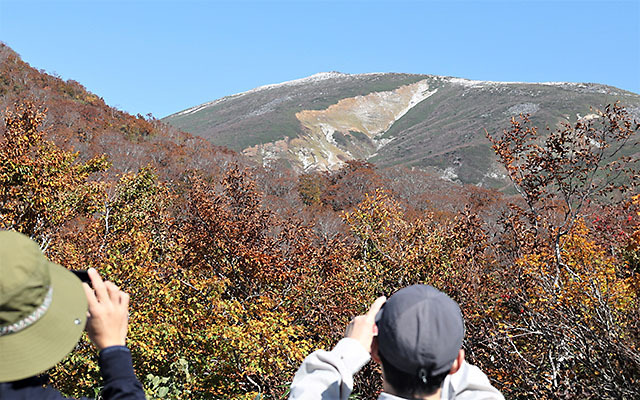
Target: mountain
[
  {"x": 433, "y": 123},
  {"x": 81, "y": 121}
]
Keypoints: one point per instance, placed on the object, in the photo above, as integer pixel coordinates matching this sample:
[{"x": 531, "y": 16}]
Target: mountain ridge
[
  {"x": 319, "y": 122},
  {"x": 312, "y": 78},
  {"x": 319, "y": 76}
]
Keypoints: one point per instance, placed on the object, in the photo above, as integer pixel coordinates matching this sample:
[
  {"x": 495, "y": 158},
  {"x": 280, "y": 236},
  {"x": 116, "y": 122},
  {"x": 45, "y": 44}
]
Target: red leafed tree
[{"x": 564, "y": 323}]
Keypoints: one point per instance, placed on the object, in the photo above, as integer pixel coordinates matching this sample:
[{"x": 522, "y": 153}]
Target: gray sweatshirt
[{"x": 328, "y": 375}]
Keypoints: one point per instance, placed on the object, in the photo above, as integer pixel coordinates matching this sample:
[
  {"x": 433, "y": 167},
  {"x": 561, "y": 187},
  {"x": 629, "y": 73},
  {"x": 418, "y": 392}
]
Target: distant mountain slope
[
  {"x": 267, "y": 113},
  {"x": 423, "y": 121}
]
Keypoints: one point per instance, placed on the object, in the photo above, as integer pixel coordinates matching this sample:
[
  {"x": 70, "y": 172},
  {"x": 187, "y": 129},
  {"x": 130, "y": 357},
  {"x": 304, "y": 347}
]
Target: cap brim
[{"x": 42, "y": 345}]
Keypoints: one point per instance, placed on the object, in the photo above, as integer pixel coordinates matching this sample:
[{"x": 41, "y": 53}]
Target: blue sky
[{"x": 164, "y": 56}]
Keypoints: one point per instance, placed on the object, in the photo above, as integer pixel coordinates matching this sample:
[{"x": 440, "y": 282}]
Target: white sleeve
[
  {"x": 328, "y": 375},
  {"x": 469, "y": 382}
]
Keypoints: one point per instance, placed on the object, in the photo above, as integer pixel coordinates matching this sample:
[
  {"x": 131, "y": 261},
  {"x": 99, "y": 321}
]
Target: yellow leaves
[
  {"x": 44, "y": 186},
  {"x": 260, "y": 339},
  {"x": 238, "y": 291},
  {"x": 377, "y": 217}
]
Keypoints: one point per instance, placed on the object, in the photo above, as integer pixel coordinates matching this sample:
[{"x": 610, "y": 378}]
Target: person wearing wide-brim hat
[{"x": 44, "y": 309}]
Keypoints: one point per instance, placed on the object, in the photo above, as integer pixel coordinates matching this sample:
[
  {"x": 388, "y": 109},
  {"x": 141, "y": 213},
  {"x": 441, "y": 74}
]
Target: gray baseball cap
[{"x": 420, "y": 330}]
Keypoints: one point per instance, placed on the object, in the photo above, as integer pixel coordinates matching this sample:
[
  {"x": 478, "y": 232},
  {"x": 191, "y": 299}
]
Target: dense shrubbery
[
  {"x": 232, "y": 286},
  {"x": 237, "y": 272}
]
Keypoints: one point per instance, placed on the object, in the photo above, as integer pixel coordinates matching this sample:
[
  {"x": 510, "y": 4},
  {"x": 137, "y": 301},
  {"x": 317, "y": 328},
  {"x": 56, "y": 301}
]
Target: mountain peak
[
  {"x": 320, "y": 76},
  {"x": 429, "y": 122}
]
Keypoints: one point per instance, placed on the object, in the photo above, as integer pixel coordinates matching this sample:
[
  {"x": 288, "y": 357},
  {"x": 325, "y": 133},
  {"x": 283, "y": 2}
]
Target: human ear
[
  {"x": 374, "y": 351},
  {"x": 457, "y": 363}
]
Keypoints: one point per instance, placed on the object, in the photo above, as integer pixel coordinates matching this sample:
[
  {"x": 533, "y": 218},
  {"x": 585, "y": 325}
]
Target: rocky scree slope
[{"x": 429, "y": 122}]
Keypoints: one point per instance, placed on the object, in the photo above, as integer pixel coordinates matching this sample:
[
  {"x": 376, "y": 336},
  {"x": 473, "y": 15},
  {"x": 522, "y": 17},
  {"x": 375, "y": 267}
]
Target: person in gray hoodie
[{"x": 417, "y": 338}]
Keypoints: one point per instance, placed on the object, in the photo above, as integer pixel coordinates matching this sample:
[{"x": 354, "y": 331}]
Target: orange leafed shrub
[{"x": 232, "y": 288}]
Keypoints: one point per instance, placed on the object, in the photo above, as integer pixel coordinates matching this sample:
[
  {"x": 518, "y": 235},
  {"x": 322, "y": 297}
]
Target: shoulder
[
  {"x": 469, "y": 383},
  {"x": 28, "y": 389}
]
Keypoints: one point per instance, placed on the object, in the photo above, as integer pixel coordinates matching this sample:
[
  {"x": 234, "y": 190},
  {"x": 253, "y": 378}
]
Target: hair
[{"x": 410, "y": 385}]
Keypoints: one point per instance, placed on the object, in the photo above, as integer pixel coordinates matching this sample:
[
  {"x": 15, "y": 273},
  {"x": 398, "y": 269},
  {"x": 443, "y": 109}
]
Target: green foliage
[
  {"x": 279, "y": 121},
  {"x": 170, "y": 387}
]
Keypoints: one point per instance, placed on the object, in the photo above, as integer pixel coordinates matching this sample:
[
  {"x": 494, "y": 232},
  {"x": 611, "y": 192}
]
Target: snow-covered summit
[
  {"x": 471, "y": 82},
  {"x": 315, "y": 78},
  {"x": 320, "y": 76}
]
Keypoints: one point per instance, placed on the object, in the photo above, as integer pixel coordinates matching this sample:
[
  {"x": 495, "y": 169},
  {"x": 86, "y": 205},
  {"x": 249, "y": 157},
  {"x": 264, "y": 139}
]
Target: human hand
[
  {"x": 363, "y": 327},
  {"x": 108, "y": 312}
]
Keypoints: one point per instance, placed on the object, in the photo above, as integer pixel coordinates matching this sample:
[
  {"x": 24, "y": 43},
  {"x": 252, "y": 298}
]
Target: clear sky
[{"x": 164, "y": 56}]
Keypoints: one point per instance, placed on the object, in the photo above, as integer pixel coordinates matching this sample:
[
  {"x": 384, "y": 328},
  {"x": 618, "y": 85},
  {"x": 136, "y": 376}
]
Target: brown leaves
[
  {"x": 570, "y": 310},
  {"x": 41, "y": 185},
  {"x": 243, "y": 285}
]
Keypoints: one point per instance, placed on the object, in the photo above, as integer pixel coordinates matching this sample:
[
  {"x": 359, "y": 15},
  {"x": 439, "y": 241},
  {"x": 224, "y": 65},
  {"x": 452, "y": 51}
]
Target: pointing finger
[{"x": 375, "y": 307}]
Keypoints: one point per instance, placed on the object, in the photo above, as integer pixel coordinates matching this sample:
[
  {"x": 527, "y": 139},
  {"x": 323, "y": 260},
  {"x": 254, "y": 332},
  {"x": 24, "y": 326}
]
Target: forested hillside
[
  {"x": 237, "y": 271},
  {"x": 80, "y": 120}
]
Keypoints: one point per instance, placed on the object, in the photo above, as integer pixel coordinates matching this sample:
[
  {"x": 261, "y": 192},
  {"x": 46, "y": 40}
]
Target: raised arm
[
  {"x": 328, "y": 375},
  {"x": 107, "y": 328}
]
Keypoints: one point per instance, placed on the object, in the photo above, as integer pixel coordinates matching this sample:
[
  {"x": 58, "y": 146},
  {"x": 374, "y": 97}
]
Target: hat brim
[{"x": 46, "y": 342}]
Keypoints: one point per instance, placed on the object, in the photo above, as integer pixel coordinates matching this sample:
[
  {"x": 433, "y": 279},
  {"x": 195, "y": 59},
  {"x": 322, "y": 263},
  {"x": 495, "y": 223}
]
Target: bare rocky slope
[{"x": 423, "y": 121}]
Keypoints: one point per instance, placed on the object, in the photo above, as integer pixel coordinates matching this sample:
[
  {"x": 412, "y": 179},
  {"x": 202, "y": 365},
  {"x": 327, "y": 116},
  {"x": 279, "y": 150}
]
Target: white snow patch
[
  {"x": 449, "y": 174},
  {"x": 202, "y": 106},
  {"x": 465, "y": 82},
  {"x": 319, "y": 77},
  {"x": 380, "y": 143},
  {"x": 560, "y": 83},
  {"x": 306, "y": 158},
  {"x": 328, "y": 132},
  {"x": 495, "y": 175},
  {"x": 269, "y": 156},
  {"x": 587, "y": 117},
  {"x": 594, "y": 143},
  {"x": 474, "y": 83}
]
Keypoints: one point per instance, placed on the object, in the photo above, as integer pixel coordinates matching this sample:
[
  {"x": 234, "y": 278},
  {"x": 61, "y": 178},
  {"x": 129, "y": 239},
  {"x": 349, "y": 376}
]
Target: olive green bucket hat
[{"x": 43, "y": 309}]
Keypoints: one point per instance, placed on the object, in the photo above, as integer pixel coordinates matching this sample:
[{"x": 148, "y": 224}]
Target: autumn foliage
[{"x": 237, "y": 273}]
